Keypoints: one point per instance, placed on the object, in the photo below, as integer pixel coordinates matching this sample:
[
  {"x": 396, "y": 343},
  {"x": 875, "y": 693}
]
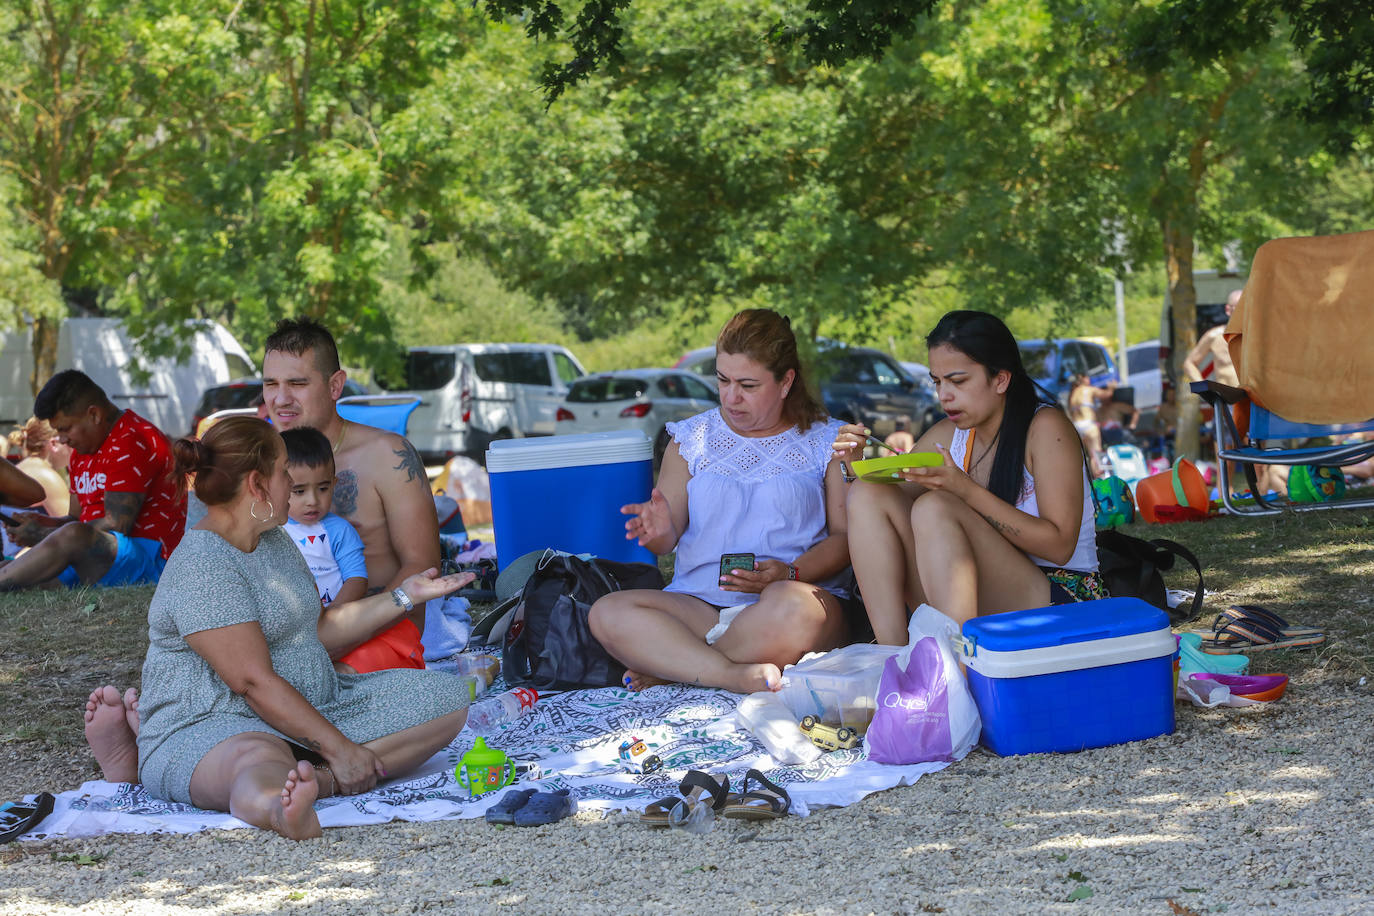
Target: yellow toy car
[{"x": 828, "y": 737}]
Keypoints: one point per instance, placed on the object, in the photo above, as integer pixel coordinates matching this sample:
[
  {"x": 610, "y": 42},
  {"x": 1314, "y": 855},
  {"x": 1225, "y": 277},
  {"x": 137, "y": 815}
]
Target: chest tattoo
[{"x": 346, "y": 493}]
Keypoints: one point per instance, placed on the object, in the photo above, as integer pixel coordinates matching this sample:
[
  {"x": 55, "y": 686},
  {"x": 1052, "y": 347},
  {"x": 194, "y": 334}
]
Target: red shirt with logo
[{"x": 136, "y": 457}]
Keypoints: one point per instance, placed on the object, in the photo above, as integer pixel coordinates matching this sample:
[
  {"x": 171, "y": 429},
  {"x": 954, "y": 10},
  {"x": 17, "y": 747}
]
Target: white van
[
  {"x": 101, "y": 348},
  {"x": 471, "y": 394}
]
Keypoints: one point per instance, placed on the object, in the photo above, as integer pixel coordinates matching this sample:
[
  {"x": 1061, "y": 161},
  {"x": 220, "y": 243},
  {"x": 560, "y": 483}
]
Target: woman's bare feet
[
  {"x": 298, "y": 818},
  {"x": 739, "y": 679},
  {"x": 111, "y": 739},
  {"x": 635, "y": 681},
  {"x": 754, "y": 679}
]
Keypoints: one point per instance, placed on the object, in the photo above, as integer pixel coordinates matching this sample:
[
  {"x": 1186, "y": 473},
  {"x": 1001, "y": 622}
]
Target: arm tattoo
[
  {"x": 308, "y": 743},
  {"x": 410, "y": 462},
  {"x": 346, "y": 493},
  {"x": 1002, "y": 528},
  {"x": 121, "y": 510}
]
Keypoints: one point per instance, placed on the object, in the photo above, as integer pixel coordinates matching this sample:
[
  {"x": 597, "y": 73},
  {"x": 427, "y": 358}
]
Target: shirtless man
[
  {"x": 381, "y": 488},
  {"x": 1213, "y": 344}
]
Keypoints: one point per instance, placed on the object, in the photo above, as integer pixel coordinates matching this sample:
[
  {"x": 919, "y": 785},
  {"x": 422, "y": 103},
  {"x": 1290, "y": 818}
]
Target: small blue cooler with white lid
[
  {"x": 1072, "y": 676},
  {"x": 565, "y": 492}
]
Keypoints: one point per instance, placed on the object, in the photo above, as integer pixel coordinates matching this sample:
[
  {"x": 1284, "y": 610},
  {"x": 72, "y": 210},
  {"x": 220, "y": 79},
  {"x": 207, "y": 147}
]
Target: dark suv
[{"x": 857, "y": 385}]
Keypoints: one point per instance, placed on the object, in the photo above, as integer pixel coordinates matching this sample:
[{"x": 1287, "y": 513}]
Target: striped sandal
[
  {"x": 1253, "y": 634},
  {"x": 1259, "y": 612}
]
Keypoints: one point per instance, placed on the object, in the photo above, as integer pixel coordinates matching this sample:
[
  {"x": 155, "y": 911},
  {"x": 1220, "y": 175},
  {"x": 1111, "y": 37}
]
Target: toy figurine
[{"x": 637, "y": 758}]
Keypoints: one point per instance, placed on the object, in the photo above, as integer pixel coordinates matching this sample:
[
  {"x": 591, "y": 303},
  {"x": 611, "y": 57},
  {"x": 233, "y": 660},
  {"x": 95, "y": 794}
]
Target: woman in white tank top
[
  {"x": 756, "y": 476},
  {"x": 1004, "y": 523}
]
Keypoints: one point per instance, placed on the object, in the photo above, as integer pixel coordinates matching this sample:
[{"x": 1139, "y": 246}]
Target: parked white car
[
  {"x": 643, "y": 399},
  {"x": 471, "y": 394}
]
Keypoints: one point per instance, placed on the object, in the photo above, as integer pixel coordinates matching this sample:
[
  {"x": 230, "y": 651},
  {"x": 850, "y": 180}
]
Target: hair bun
[{"x": 192, "y": 455}]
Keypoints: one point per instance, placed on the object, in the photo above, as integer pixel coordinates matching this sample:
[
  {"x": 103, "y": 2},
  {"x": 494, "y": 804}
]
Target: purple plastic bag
[{"x": 924, "y": 709}]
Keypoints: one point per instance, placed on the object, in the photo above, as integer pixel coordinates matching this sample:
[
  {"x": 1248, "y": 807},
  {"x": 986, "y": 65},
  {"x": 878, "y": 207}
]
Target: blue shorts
[{"x": 137, "y": 561}]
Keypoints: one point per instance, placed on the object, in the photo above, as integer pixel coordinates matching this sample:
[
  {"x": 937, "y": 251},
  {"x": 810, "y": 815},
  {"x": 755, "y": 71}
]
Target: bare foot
[
  {"x": 754, "y": 678},
  {"x": 107, "y": 732},
  {"x": 298, "y": 820},
  {"x": 635, "y": 681},
  {"x": 131, "y": 709}
]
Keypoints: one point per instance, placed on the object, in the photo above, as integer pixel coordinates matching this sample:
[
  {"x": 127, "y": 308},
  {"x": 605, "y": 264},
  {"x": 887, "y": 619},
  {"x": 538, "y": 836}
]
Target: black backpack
[
  {"x": 1131, "y": 568},
  {"x": 549, "y": 644}
]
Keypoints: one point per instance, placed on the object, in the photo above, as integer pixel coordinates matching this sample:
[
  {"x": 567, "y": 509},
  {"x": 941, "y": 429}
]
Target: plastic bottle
[
  {"x": 483, "y": 668},
  {"x": 699, "y": 819},
  {"x": 490, "y": 714}
]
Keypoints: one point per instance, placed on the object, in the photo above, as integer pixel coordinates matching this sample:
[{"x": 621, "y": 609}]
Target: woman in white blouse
[{"x": 755, "y": 476}]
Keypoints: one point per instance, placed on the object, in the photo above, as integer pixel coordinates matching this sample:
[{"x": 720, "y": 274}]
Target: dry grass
[{"x": 1313, "y": 568}]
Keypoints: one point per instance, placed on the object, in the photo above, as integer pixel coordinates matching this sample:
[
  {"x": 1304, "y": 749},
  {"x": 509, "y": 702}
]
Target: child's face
[{"x": 312, "y": 492}]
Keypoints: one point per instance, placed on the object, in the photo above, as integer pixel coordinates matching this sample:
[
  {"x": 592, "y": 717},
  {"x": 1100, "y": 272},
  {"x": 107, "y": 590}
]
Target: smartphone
[
  {"x": 8, "y": 519},
  {"x": 729, "y": 561}
]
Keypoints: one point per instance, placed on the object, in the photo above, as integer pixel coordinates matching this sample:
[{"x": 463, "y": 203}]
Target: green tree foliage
[{"x": 99, "y": 104}]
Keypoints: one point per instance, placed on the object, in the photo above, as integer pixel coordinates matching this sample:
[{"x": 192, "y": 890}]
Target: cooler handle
[
  {"x": 1084, "y": 637},
  {"x": 963, "y": 645}
]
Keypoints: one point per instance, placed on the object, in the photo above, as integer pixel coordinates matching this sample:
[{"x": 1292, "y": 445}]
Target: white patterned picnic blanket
[{"x": 574, "y": 737}]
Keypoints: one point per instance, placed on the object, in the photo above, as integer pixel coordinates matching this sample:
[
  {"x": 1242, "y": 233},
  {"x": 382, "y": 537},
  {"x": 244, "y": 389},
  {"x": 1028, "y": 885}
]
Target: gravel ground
[{"x": 1240, "y": 811}]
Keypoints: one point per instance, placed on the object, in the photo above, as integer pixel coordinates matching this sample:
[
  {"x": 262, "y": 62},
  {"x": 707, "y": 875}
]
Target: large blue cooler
[
  {"x": 1072, "y": 676},
  {"x": 566, "y": 492}
]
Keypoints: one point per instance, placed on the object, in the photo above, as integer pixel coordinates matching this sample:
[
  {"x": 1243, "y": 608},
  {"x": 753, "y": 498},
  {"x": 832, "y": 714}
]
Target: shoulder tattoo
[
  {"x": 410, "y": 462},
  {"x": 346, "y": 493}
]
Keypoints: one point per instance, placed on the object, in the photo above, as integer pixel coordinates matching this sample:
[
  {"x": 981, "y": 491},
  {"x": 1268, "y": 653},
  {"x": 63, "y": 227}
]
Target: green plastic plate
[{"x": 886, "y": 468}]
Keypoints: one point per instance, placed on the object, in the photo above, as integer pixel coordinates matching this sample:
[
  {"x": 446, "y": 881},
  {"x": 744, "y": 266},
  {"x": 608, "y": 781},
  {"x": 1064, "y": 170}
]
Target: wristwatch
[
  {"x": 402, "y": 600},
  {"x": 791, "y": 573}
]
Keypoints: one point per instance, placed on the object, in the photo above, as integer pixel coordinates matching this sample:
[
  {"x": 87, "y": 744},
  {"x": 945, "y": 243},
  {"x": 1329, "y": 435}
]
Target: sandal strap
[
  {"x": 774, "y": 794},
  {"x": 1254, "y": 631},
  {"x": 718, "y": 790},
  {"x": 1255, "y": 612}
]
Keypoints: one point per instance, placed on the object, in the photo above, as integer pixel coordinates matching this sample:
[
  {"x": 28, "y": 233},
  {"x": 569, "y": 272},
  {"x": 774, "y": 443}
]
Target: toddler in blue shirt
[{"x": 330, "y": 545}]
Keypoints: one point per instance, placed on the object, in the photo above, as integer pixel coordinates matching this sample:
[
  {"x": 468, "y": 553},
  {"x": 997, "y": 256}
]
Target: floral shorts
[{"x": 1069, "y": 586}]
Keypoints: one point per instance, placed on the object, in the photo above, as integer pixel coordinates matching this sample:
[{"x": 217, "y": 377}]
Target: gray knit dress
[{"x": 185, "y": 709}]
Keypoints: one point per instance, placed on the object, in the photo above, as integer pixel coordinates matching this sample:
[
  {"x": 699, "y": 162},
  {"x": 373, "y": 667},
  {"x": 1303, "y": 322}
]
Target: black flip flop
[{"x": 18, "y": 819}]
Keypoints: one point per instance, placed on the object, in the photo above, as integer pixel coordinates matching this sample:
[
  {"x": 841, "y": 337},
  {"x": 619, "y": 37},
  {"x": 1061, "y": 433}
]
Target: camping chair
[
  {"x": 1248, "y": 449},
  {"x": 390, "y": 412}
]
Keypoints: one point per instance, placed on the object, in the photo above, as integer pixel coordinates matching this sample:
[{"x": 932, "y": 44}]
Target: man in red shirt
[{"x": 132, "y": 510}]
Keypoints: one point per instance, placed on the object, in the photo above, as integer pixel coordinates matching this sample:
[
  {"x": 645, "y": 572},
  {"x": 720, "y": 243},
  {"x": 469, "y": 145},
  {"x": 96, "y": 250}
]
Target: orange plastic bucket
[{"x": 1159, "y": 497}]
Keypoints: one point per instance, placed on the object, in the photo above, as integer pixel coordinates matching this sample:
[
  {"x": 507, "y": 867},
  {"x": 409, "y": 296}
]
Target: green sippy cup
[{"x": 484, "y": 769}]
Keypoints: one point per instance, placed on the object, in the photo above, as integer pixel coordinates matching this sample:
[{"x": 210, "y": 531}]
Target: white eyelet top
[{"x": 761, "y": 496}]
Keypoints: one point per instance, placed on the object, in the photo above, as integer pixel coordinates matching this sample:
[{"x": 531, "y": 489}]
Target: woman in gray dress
[{"x": 239, "y": 692}]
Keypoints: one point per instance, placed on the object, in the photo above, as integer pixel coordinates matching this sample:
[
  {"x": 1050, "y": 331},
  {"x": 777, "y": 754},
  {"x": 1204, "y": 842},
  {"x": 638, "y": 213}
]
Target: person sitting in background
[
  {"x": 241, "y": 709},
  {"x": 1005, "y": 524},
  {"x": 132, "y": 511},
  {"x": 755, "y": 475},
  {"x": 901, "y": 439},
  {"x": 1083, "y": 400},
  {"x": 332, "y": 549},
  {"x": 45, "y": 460},
  {"x": 1117, "y": 418}
]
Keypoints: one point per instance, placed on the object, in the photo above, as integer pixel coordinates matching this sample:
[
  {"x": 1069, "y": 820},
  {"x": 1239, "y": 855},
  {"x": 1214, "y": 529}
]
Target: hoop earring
[{"x": 270, "y": 511}]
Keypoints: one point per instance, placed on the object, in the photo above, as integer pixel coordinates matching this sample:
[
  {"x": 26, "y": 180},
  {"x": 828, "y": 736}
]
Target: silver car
[{"x": 643, "y": 399}]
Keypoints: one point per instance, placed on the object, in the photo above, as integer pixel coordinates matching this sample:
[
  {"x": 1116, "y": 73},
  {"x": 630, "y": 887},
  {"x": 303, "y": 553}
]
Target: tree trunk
[
  {"x": 44, "y": 351},
  {"x": 1178, "y": 262}
]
